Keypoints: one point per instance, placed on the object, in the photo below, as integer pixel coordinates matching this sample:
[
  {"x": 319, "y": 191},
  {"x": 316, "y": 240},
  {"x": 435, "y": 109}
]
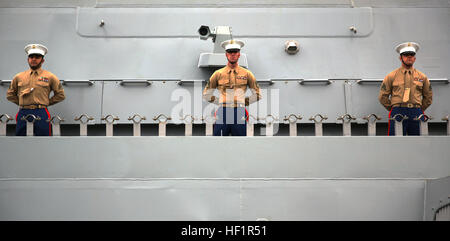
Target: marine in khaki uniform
[
  {"x": 30, "y": 90},
  {"x": 406, "y": 90},
  {"x": 232, "y": 82}
]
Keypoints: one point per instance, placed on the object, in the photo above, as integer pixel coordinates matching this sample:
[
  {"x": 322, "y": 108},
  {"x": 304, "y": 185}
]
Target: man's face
[
  {"x": 35, "y": 61},
  {"x": 233, "y": 55},
  {"x": 408, "y": 58}
]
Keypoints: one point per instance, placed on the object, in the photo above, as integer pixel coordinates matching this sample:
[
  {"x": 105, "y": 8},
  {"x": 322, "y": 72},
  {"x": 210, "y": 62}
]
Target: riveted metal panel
[
  {"x": 81, "y": 98},
  {"x": 122, "y": 199},
  {"x": 171, "y": 22},
  {"x": 245, "y": 157},
  {"x": 7, "y": 107},
  {"x": 333, "y": 200},
  {"x": 437, "y": 196}
]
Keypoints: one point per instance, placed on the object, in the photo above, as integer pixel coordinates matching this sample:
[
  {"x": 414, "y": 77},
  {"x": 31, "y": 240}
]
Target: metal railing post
[
  {"x": 372, "y": 125},
  {"x": 346, "y": 124},
  {"x": 269, "y": 119},
  {"x": 30, "y": 124},
  {"x": 446, "y": 118},
  {"x": 162, "y": 119},
  {"x": 399, "y": 123},
  {"x": 188, "y": 126},
  {"x": 318, "y": 123},
  {"x": 292, "y": 119},
  {"x": 56, "y": 125},
  {"x": 251, "y": 125},
  {"x": 83, "y": 123},
  {"x": 109, "y": 119},
  {"x": 423, "y": 123},
  {"x": 136, "y": 119},
  {"x": 3, "y": 123}
]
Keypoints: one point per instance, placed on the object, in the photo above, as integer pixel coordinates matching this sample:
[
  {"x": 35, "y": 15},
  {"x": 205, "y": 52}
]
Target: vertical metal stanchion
[
  {"x": 109, "y": 119},
  {"x": 346, "y": 124},
  {"x": 423, "y": 123},
  {"x": 209, "y": 124},
  {"x": 56, "y": 125},
  {"x": 318, "y": 123},
  {"x": 137, "y": 119},
  {"x": 399, "y": 123},
  {"x": 372, "y": 125},
  {"x": 269, "y": 119},
  {"x": 3, "y": 123},
  {"x": 30, "y": 124},
  {"x": 188, "y": 126},
  {"x": 292, "y": 118},
  {"x": 83, "y": 123},
  {"x": 446, "y": 118},
  {"x": 251, "y": 125},
  {"x": 162, "y": 123}
]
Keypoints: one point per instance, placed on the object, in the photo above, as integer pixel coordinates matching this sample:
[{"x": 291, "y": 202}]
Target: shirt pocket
[
  {"x": 42, "y": 86},
  {"x": 419, "y": 85},
  {"x": 397, "y": 87},
  {"x": 241, "y": 81},
  {"x": 224, "y": 81},
  {"x": 21, "y": 86}
]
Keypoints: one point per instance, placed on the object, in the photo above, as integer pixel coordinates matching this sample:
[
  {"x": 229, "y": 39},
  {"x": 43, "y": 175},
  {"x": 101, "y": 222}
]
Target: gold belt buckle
[{"x": 409, "y": 105}]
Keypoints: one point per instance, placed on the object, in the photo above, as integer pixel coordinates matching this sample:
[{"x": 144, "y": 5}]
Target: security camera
[{"x": 204, "y": 32}]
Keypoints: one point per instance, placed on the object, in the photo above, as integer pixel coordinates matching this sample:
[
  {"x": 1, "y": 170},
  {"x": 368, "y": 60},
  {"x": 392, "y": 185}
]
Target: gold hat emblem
[
  {"x": 232, "y": 41},
  {"x": 33, "y": 46},
  {"x": 409, "y": 44}
]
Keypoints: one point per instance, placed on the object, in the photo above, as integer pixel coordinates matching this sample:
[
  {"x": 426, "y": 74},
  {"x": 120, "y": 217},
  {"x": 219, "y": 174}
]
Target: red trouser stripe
[
  {"x": 389, "y": 122},
  {"x": 49, "y": 124}
]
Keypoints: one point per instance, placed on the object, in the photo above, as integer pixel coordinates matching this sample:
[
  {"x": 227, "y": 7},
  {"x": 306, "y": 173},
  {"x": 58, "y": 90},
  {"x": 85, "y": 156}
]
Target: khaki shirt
[
  {"x": 33, "y": 87},
  {"x": 232, "y": 85},
  {"x": 394, "y": 84}
]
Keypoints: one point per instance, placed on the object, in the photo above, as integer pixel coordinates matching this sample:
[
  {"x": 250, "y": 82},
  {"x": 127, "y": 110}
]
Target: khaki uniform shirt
[
  {"x": 33, "y": 87},
  {"x": 392, "y": 91},
  {"x": 232, "y": 85}
]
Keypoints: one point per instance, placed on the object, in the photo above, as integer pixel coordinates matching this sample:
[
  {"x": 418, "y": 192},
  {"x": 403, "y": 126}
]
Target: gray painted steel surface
[
  {"x": 437, "y": 197},
  {"x": 143, "y": 178},
  {"x": 208, "y": 178},
  {"x": 168, "y": 57},
  {"x": 235, "y": 199},
  {"x": 252, "y": 157}
]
